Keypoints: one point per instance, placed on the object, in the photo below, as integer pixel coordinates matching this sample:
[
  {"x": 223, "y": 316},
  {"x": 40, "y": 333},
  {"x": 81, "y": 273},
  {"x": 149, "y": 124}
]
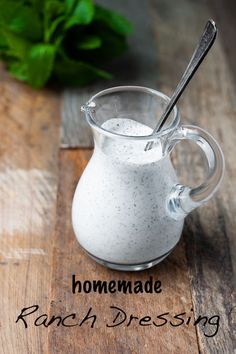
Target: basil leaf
[
  {"x": 36, "y": 4},
  {"x": 52, "y": 9},
  {"x": 113, "y": 20},
  {"x": 20, "y": 19},
  {"x": 26, "y": 23},
  {"x": 74, "y": 73},
  {"x": 89, "y": 42},
  {"x": 82, "y": 14},
  {"x": 112, "y": 46},
  {"x": 40, "y": 61},
  {"x": 36, "y": 67},
  {"x": 50, "y": 32},
  {"x": 18, "y": 46},
  {"x": 53, "y": 17},
  {"x": 18, "y": 70},
  {"x": 3, "y": 42},
  {"x": 9, "y": 10},
  {"x": 69, "y": 4}
]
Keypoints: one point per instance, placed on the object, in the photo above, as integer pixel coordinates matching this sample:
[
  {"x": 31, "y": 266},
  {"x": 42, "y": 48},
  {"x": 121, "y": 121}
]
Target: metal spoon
[{"x": 205, "y": 43}]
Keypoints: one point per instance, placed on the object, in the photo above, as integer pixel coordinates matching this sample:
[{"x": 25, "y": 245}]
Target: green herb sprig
[{"x": 66, "y": 40}]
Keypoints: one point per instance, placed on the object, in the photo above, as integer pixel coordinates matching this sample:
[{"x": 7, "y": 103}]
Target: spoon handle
[{"x": 206, "y": 41}]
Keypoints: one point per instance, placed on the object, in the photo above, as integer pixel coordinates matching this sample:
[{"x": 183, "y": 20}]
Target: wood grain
[
  {"x": 137, "y": 67},
  {"x": 224, "y": 15},
  {"x": 209, "y": 102},
  {"x": 29, "y": 140},
  {"x": 70, "y": 259}
]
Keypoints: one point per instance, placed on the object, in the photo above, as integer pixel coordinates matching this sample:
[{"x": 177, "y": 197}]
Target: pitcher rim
[{"x": 88, "y": 109}]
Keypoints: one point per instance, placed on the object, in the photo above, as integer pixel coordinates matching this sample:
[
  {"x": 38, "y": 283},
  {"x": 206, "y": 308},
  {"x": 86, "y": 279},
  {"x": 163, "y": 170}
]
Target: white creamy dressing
[{"x": 119, "y": 209}]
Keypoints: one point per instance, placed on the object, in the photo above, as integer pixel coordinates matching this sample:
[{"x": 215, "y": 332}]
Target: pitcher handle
[{"x": 183, "y": 199}]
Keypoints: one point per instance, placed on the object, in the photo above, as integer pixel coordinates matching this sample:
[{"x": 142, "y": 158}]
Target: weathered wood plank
[
  {"x": 29, "y": 141},
  {"x": 70, "y": 259},
  {"x": 208, "y": 102},
  {"x": 137, "y": 67},
  {"x": 224, "y": 14}
]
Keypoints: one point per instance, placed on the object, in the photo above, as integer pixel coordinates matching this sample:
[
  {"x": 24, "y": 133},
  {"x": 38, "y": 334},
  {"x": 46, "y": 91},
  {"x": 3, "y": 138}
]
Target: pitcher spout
[{"x": 88, "y": 107}]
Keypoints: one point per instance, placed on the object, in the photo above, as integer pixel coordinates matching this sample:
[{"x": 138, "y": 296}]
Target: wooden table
[{"x": 40, "y": 167}]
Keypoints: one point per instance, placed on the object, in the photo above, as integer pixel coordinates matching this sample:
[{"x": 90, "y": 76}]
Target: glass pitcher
[{"x": 128, "y": 208}]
